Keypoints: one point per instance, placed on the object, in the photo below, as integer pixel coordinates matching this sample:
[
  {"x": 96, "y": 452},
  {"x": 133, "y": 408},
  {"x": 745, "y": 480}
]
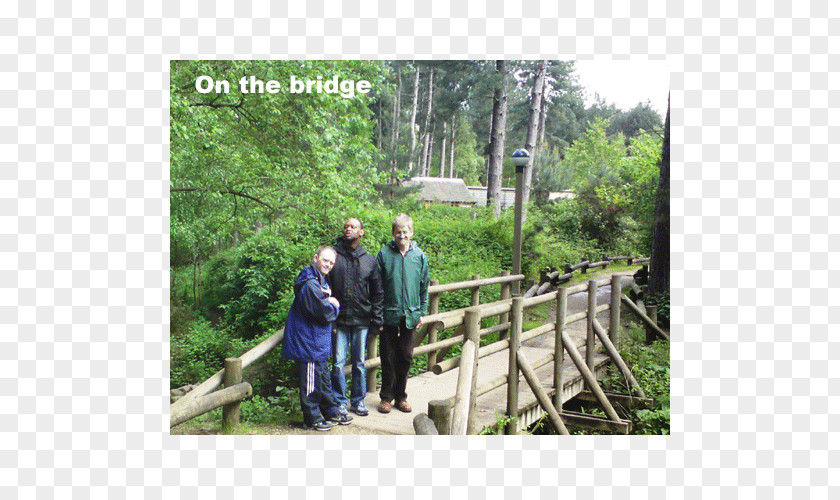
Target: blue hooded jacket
[{"x": 308, "y": 333}]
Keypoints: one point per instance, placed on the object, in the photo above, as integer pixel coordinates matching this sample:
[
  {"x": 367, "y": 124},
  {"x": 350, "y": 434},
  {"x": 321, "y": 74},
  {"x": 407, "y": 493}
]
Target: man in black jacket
[{"x": 356, "y": 284}]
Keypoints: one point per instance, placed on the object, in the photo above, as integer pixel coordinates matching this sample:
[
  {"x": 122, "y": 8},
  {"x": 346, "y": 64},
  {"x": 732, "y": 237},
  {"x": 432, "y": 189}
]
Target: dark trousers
[
  {"x": 395, "y": 348},
  {"x": 316, "y": 398}
]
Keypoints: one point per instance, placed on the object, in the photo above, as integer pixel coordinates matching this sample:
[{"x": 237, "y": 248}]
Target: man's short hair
[
  {"x": 402, "y": 220},
  {"x": 324, "y": 247},
  {"x": 361, "y": 224}
]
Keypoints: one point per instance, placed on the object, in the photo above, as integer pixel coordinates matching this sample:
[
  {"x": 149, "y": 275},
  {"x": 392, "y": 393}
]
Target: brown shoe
[
  {"x": 384, "y": 406},
  {"x": 404, "y": 407}
]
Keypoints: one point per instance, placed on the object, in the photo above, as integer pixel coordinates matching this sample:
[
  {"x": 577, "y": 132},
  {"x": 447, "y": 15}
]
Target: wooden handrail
[{"x": 464, "y": 285}]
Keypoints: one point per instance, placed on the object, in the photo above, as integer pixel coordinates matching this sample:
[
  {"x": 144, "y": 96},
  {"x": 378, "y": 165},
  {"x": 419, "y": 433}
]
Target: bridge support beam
[
  {"x": 596, "y": 423},
  {"x": 534, "y": 381},
  {"x": 617, "y": 360},
  {"x": 559, "y": 327},
  {"x": 589, "y": 378}
]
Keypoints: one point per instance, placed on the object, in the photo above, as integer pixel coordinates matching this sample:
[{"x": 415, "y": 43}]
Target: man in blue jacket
[{"x": 308, "y": 338}]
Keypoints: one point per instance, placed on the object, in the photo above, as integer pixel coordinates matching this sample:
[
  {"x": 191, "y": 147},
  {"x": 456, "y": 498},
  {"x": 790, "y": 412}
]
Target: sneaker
[
  {"x": 384, "y": 406},
  {"x": 403, "y": 406},
  {"x": 320, "y": 425},
  {"x": 359, "y": 409},
  {"x": 344, "y": 419}
]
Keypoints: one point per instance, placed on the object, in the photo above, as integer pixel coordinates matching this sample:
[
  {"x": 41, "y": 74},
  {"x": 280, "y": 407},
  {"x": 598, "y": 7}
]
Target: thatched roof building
[{"x": 438, "y": 190}]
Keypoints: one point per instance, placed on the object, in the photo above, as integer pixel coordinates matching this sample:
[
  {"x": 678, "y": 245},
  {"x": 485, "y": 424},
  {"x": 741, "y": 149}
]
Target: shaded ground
[{"x": 210, "y": 428}]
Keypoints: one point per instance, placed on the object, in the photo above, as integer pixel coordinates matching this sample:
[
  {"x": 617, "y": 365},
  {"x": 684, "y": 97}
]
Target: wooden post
[
  {"x": 372, "y": 340},
  {"x": 476, "y": 290},
  {"x": 559, "y": 327},
  {"x": 232, "y": 377},
  {"x": 461, "y": 411},
  {"x": 650, "y": 334},
  {"x": 504, "y": 295},
  {"x": 424, "y": 426},
  {"x": 440, "y": 411},
  {"x": 472, "y": 323},
  {"x": 590, "y": 328},
  {"x": 584, "y": 267},
  {"x": 513, "y": 369},
  {"x": 615, "y": 309},
  {"x": 434, "y": 305}
]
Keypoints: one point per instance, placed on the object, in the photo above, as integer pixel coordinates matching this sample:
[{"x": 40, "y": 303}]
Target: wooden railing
[{"x": 470, "y": 320}]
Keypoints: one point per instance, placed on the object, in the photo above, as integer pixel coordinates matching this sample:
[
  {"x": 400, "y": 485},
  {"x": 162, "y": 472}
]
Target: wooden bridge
[
  {"x": 537, "y": 351},
  {"x": 478, "y": 389}
]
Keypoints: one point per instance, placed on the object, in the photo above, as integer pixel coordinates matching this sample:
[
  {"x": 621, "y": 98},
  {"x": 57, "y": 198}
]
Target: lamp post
[{"x": 520, "y": 159}]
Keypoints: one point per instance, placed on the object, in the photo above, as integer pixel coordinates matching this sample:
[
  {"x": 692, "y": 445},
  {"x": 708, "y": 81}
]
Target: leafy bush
[
  {"x": 260, "y": 284},
  {"x": 662, "y": 302},
  {"x": 278, "y": 409},
  {"x": 651, "y": 366},
  {"x": 201, "y": 352}
]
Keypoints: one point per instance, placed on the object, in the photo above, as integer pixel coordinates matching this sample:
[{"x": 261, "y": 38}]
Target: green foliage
[
  {"x": 642, "y": 118},
  {"x": 469, "y": 164},
  {"x": 259, "y": 287},
  {"x": 200, "y": 352},
  {"x": 651, "y": 366},
  {"x": 663, "y": 308},
  {"x": 242, "y": 161},
  {"x": 615, "y": 187},
  {"x": 502, "y": 421},
  {"x": 280, "y": 409}
]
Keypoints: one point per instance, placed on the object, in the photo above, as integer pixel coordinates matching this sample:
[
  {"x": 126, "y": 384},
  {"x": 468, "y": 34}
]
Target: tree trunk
[
  {"x": 429, "y": 131},
  {"x": 660, "y": 252},
  {"x": 541, "y": 132},
  {"x": 452, "y": 151},
  {"x": 427, "y": 159},
  {"x": 379, "y": 133},
  {"x": 531, "y": 139},
  {"x": 411, "y": 128},
  {"x": 497, "y": 142},
  {"x": 395, "y": 127},
  {"x": 443, "y": 153}
]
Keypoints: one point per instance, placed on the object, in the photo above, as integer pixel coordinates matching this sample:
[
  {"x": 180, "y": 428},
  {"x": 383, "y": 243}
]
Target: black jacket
[{"x": 357, "y": 285}]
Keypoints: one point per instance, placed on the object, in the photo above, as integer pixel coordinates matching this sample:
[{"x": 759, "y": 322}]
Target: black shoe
[
  {"x": 342, "y": 419},
  {"x": 321, "y": 425}
]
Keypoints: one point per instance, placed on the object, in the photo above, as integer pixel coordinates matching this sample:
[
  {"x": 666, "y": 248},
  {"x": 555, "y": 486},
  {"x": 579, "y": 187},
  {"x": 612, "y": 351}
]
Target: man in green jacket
[{"x": 405, "y": 280}]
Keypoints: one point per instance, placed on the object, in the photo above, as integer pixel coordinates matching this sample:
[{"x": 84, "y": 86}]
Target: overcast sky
[{"x": 625, "y": 83}]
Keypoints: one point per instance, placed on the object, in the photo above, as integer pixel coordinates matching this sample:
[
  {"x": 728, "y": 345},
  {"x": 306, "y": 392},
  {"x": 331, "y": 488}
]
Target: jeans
[{"x": 355, "y": 338}]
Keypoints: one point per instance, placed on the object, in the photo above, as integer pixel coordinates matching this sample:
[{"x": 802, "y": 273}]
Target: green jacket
[{"x": 405, "y": 281}]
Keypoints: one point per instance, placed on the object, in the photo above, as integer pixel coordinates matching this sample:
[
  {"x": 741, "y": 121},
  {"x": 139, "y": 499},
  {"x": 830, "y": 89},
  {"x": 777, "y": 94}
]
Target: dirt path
[{"x": 211, "y": 428}]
